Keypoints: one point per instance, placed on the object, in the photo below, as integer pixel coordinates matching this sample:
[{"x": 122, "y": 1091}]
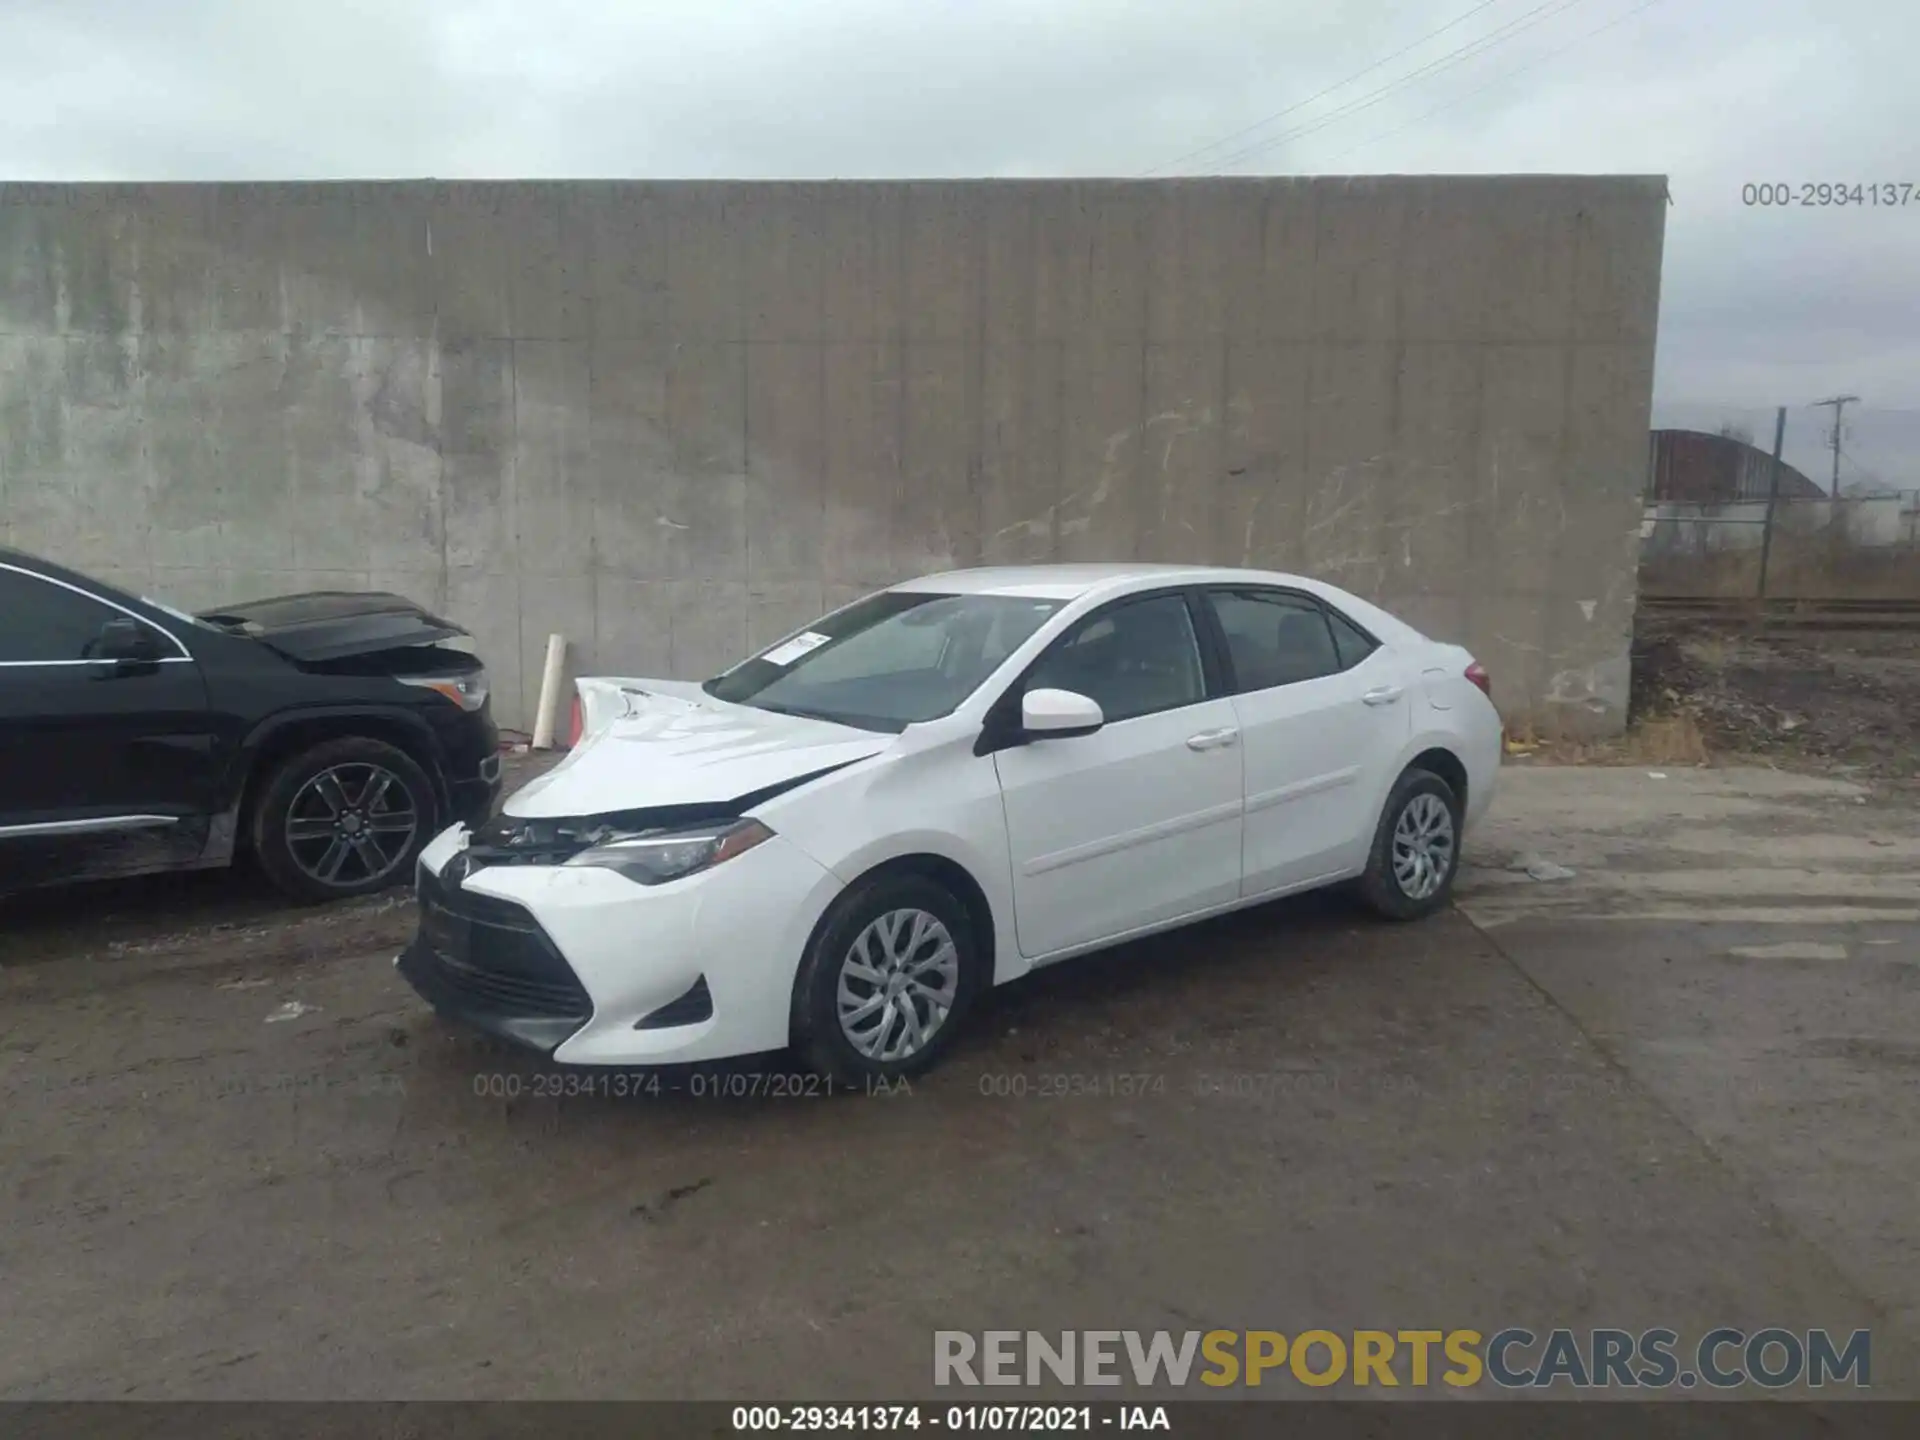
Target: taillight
[
  {"x": 1477, "y": 673},
  {"x": 576, "y": 725}
]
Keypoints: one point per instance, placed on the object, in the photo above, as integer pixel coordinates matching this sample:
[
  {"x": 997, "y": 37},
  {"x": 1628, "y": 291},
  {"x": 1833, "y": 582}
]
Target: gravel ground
[{"x": 1838, "y": 701}]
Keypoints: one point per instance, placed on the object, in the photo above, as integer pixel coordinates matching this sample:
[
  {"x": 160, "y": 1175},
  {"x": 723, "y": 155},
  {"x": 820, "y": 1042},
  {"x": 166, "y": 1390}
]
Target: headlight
[
  {"x": 468, "y": 691},
  {"x": 653, "y": 857}
]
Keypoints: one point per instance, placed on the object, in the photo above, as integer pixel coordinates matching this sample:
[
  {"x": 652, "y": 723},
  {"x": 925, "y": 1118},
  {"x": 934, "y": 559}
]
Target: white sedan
[{"x": 840, "y": 842}]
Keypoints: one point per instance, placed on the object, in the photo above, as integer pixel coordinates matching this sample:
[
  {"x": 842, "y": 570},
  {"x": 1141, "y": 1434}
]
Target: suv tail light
[
  {"x": 1477, "y": 673},
  {"x": 576, "y": 724}
]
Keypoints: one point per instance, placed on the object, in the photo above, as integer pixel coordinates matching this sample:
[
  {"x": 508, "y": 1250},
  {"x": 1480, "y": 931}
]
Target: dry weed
[{"x": 1671, "y": 738}]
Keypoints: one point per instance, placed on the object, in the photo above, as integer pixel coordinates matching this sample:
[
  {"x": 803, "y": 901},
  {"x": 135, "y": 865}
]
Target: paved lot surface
[{"x": 1677, "y": 1087}]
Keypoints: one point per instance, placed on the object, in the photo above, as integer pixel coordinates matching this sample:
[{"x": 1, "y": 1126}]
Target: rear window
[
  {"x": 1274, "y": 638},
  {"x": 1353, "y": 643}
]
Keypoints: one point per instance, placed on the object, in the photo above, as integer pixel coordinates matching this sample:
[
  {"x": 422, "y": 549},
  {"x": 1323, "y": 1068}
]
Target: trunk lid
[{"x": 325, "y": 625}]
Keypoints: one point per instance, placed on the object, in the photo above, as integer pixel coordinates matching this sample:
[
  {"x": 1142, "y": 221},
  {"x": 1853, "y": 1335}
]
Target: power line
[
  {"x": 1491, "y": 40},
  {"x": 1452, "y": 58},
  {"x": 1871, "y": 476},
  {"x": 1318, "y": 95},
  {"x": 1500, "y": 79}
]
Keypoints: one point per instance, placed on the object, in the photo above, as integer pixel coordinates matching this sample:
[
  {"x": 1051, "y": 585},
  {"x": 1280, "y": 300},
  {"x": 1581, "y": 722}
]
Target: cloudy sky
[{"x": 1761, "y": 305}]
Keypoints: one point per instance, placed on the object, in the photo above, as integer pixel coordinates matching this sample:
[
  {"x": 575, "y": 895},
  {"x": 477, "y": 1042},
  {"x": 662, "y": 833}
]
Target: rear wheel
[
  {"x": 1416, "y": 849},
  {"x": 345, "y": 818},
  {"x": 886, "y": 982}
]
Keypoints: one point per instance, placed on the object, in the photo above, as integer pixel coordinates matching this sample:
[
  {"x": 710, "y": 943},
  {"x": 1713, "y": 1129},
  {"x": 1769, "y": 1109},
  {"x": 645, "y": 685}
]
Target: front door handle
[
  {"x": 1212, "y": 739},
  {"x": 1383, "y": 694}
]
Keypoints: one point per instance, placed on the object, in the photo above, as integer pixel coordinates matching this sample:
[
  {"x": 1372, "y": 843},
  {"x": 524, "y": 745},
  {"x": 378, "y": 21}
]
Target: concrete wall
[{"x": 674, "y": 420}]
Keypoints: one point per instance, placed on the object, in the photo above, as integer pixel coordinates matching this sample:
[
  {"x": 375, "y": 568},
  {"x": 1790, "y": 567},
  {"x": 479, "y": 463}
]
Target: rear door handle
[
  {"x": 1212, "y": 739},
  {"x": 1383, "y": 694}
]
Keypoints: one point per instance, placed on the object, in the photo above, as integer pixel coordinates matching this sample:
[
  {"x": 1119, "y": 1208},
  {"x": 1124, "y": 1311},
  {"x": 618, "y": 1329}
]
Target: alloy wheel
[
  {"x": 1422, "y": 846},
  {"x": 898, "y": 984},
  {"x": 351, "y": 824}
]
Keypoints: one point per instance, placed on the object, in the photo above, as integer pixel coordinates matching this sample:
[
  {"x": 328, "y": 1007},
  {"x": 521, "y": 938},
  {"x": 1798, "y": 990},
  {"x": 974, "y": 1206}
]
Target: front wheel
[
  {"x": 345, "y": 818},
  {"x": 886, "y": 982},
  {"x": 1416, "y": 849}
]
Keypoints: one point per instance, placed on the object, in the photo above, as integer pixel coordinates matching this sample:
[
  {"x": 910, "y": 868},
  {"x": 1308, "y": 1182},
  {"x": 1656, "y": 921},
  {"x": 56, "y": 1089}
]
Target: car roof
[
  {"x": 1071, "y": 581},
  {"x": 42, "y": 566}
]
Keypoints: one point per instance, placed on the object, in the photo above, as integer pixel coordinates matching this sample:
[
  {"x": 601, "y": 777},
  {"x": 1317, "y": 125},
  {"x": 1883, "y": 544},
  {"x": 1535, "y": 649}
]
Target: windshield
[{"x": 888, "y": 661}]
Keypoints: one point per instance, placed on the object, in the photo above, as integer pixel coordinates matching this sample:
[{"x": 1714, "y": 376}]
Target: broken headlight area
[
  {"x": 507, "y": 841},
  {"x": 653, "y": 857},
  {"x": 649, "y": 847}
]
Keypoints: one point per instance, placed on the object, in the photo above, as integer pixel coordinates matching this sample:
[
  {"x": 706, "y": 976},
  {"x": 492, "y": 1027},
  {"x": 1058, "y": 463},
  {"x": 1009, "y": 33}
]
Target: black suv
[{"x": 330, "y": 735}]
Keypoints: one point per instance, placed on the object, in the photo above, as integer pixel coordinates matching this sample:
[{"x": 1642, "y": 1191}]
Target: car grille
[{"x": 493, "y": 953}]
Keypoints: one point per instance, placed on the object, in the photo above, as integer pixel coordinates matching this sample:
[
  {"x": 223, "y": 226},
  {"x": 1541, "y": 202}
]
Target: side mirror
[
  {"x": 124, "y": 639},
  {"x": 1057, "y": 714}
]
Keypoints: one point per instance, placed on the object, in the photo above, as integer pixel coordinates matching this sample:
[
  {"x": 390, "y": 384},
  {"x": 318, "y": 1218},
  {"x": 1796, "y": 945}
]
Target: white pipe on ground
[{"x": 543, "y": 716}]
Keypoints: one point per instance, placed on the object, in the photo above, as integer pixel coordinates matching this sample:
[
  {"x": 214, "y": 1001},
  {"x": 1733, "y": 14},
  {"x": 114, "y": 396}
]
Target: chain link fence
[{"x": 1837, "y": 518}]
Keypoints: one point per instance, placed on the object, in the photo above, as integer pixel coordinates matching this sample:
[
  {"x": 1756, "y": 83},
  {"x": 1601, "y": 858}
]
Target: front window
[
  {"x": 888, "y": 661},
  {"x": 1138, "y": 658},
  {"x": 43, "y": 623}
]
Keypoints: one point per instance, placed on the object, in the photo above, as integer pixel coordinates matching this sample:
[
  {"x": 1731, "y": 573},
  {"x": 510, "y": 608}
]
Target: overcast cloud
[{"x": 1760, "y": 306}]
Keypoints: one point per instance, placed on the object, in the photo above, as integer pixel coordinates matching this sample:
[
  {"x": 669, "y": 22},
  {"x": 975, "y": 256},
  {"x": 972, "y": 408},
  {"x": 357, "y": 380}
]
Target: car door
[
  {"x": 1137, "y": 823},
  {"x": 1323, "y": 712},
  {"x": 92, "y": 749}
]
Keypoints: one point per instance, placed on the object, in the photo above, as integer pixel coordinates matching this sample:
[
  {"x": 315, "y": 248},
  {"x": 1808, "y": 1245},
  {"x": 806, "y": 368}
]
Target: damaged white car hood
[{"x": 648, "y": 743}]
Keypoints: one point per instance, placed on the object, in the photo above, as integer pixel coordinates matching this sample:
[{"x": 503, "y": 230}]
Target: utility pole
[
  {"x": 1773, "y": 496},
  {"x": 1839, "y": 404}
]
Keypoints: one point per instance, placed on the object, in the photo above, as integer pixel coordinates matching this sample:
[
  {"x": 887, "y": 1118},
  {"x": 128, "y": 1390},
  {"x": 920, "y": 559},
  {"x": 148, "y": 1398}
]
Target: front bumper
[
  {"x": 593, "y": 969},
  {"x": 488, "y": 963}
]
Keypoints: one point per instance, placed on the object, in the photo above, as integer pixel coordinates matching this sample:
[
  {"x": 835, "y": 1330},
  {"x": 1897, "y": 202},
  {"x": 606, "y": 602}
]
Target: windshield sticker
[{"x": 789, "y": 651}]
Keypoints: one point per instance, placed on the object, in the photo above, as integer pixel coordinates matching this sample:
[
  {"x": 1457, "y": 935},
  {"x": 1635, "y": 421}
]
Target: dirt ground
[
  {"x": 1838, "y": 701},
  {"x": 1675, "y": 1085}
]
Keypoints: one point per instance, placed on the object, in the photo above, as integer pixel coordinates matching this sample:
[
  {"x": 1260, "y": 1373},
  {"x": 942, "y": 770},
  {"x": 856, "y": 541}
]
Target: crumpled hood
[
  {"x": 655, "y": 743},
  {"x": 332, "y": 624}
]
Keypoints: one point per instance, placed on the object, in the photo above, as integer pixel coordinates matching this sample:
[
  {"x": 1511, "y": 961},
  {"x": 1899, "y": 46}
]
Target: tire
[
  {"x": 302, "y": 824},
  {"x": 1402, "y": 893},
  {"x": 820, "y": 1039}
]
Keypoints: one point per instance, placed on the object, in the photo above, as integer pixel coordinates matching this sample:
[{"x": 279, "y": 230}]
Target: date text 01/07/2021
[
  {"x": 1877, "y": 195},
  {"x": 1014, "y": 1419}
]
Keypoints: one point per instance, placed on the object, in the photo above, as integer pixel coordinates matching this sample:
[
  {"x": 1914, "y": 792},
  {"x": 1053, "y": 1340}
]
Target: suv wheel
[{"x": 347, "y": 817}]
